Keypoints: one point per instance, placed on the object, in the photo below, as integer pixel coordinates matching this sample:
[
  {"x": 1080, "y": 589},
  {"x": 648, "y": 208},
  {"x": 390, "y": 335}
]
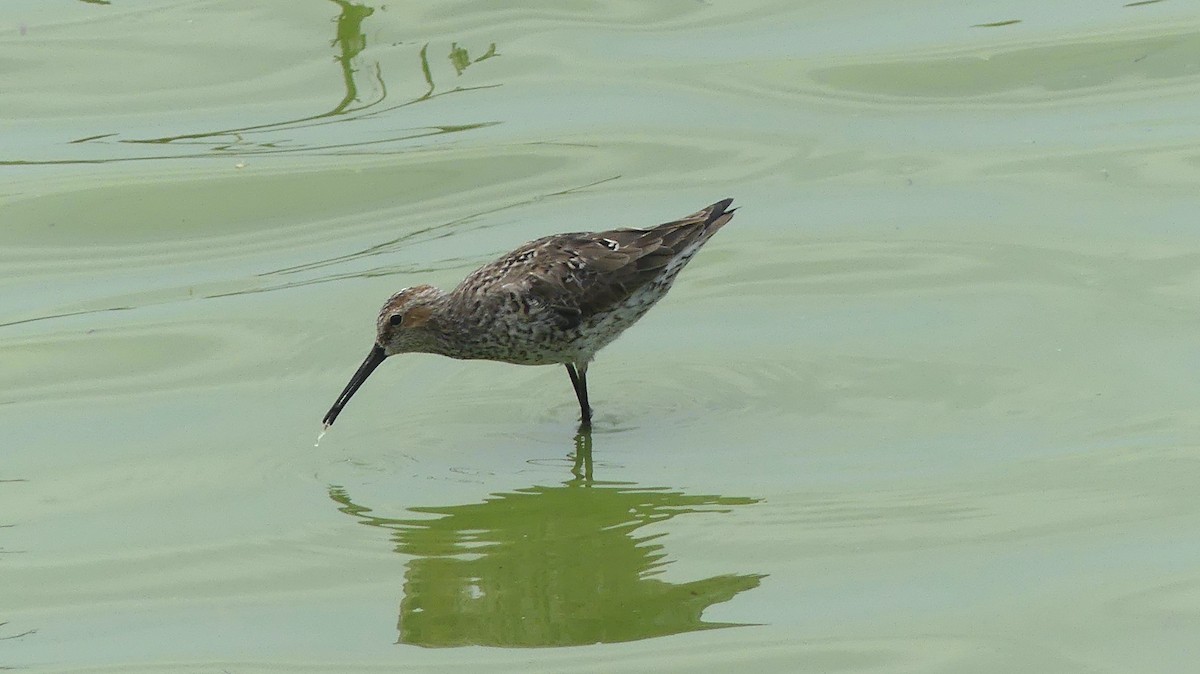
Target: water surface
[{"x": 928, "y": 404}]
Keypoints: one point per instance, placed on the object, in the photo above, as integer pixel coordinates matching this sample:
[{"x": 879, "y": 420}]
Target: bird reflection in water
[{"x": 550, "y": 565}]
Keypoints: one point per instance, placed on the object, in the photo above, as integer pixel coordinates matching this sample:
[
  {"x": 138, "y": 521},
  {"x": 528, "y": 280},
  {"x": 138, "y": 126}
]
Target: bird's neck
[
  {"x": 457, "y": 329},
  {"x": 446, "y": 327}
]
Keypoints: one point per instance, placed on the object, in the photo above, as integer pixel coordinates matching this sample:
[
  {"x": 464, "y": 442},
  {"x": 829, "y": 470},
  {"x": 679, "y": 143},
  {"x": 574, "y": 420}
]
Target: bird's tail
[
  {"x": 699, "y": 226},
  {"x": 717, "y": 215}
]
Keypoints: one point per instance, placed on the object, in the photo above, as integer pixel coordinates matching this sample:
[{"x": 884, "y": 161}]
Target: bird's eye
[{"x": 395, "y": 319}]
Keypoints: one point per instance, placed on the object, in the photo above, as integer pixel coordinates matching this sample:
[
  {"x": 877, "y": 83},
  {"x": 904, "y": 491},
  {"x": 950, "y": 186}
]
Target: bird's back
[{"x": 575, "y": 292}]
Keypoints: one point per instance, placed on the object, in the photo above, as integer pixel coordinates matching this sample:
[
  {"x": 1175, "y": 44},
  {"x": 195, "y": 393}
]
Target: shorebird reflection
[
  {"x": 552, "y": 565},
  {"x": 582, "y": 456}
]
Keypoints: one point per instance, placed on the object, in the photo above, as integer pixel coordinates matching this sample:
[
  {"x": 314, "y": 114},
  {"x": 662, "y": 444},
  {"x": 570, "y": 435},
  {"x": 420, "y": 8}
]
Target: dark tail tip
[{"x": 718, "y": 210}]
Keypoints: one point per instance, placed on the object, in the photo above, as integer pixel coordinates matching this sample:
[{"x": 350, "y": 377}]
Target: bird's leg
[{"x": 579, "y": 381}]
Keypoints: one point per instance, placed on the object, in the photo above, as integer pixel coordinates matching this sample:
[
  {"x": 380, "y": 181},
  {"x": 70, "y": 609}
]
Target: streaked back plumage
[{"x": 578, "y": 291}]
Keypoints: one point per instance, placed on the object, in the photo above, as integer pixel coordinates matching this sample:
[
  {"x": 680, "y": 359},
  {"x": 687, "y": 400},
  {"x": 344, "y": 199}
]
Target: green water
[{"x": 928, "y": 404}]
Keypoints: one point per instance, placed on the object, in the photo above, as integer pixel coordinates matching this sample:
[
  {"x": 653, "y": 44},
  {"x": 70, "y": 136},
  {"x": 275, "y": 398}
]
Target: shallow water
[{"x": 928, "y": 404}]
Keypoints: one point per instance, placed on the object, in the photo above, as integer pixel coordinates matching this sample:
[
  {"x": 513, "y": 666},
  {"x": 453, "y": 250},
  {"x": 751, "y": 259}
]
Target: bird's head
[
  {"x": 403, "y": 323},
  {"x": 402, "y": 327}
]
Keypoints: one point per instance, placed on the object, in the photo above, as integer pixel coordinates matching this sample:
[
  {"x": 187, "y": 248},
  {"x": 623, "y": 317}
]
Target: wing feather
[{"x": 580, "y": 274}]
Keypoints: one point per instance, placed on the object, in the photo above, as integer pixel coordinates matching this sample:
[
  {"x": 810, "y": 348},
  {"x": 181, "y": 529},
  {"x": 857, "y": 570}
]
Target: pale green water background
[{"x": 929, "y": 404}]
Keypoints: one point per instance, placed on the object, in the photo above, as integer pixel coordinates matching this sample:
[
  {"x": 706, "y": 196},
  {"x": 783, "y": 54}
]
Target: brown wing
[{"x": 580, "y": 274}]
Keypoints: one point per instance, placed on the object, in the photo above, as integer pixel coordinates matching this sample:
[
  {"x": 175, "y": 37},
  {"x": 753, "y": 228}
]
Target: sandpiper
[{"x": 556, "y": 300}]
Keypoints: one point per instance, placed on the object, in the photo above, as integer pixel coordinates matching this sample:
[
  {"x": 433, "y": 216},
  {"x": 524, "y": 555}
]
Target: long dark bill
[{"x": 368, "y": 366}]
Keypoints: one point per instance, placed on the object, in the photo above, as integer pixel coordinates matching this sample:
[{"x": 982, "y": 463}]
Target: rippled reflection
[
  {"x": 459, "y": 225},
  {"x": 549, "y": 565},
  {"x": 364, "y": 92},
  {"x": 7, "y": 632},
  {"x": 4, "y": 550},
  {"x": 18, "y": 635},
  {"x": 1059, "y": 70},
  {"x": 317, "y": 271},
  {"x": 350, "y": 41}
]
